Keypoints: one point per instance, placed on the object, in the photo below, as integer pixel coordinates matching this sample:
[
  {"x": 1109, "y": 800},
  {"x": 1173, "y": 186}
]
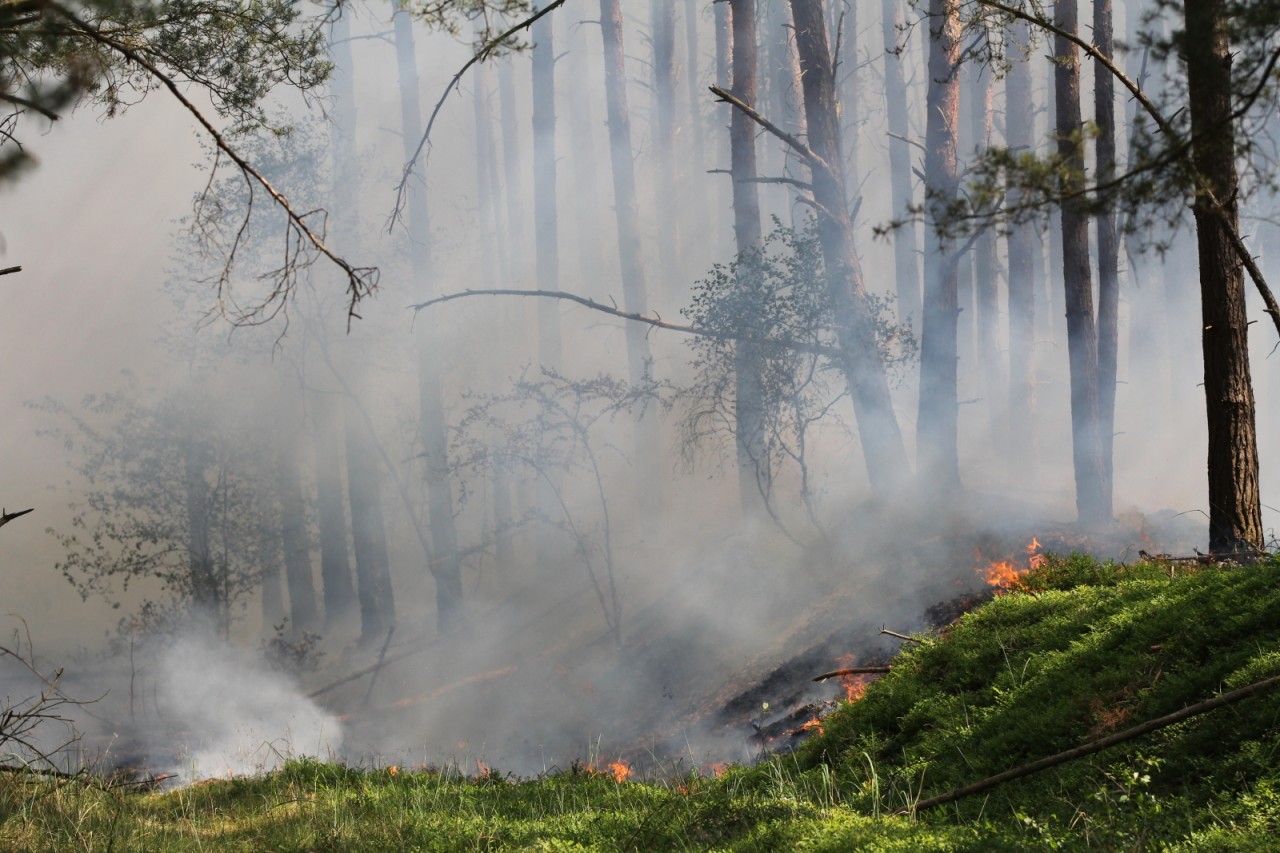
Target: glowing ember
[
  {"x": 621, "y": 771},
  {"x": 393, "y": 770}
]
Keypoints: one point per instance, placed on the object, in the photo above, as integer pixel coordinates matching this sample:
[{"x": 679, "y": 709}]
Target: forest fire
[
  {"x": 853, "y": 684},
  {"x": 1007, "y": 574},
  {"x": 620, "y": 770}
]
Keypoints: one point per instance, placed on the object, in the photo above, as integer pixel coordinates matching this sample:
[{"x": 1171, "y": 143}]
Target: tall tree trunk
[
  {"x": 724, "y": 73},
  {"x": 205, "y": 595},
  {"x": 1093, "y": 488},
  {"x": 882, "y": 446},
  {"x": 663, "y": 36},
  {"x": 582, "y": 142},
  {"x": 303, "y": 613},
  {"x": 754, "y": 470},
  {"x": 986, "y": 268},
  {"x": 937, "y": 451},
  {"x": 905, "y": 248},
  {"x": 512, "y": 171},
  {"x": 848, "y": 83},
  {"x": 634, "y": 294},
  {"x": 1024, "y": 264},
  {"x": 273, "y": 609},
  {"x": 693, "y": 82},
  {"x": 444, "y": 563},
  {"x": 373, "y": 567},
  {"x": 331, "y": 517},
  {"x": 546, "y": 209},
  {"x": 1235, "y": 511},
  {"x": 1108, "y": 242},
  {"x": 784, "y": 102}
]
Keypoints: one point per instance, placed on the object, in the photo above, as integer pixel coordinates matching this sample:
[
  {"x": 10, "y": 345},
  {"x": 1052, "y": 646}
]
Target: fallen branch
[
  {"x": 10, "y": 270},
  {"x": 1203, "y": 559},
  {"x": 901, "y": 636},
  {"x": 855, "y": 670},
  {"x": 656, "y": 322},
  {"x": 1096, "y": 746},
  {"x": 6, "y": 516}
]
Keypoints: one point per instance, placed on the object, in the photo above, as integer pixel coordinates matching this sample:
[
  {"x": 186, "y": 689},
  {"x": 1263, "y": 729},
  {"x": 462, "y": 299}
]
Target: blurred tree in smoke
[
  {"x": 778, "y": 293},
  {"x": 175, "y": 502}
]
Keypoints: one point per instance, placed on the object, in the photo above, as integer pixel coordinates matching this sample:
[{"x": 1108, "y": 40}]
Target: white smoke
[{"x": 238, "y": 716}]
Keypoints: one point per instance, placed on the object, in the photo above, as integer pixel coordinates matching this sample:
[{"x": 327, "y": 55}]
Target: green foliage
[{"x": 172, "y": 497}]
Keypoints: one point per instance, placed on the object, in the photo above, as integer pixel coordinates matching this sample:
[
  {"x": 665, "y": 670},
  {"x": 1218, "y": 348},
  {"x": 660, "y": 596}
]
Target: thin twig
[{"x": 855, "y": 670}]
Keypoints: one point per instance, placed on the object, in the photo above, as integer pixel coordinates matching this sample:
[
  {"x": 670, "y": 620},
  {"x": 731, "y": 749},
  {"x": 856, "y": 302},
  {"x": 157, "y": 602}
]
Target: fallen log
[
  {"x": 855, "y": 670},
  {"x": 1094, "y": 746}
]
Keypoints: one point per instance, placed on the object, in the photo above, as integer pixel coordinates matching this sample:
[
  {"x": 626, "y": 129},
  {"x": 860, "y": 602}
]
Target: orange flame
[
  {"x": 718, "y": 768},
  {"x": 854, "y": 685},
  {"x": 621, "y": 770},
  {"x": 393, "y": 770},
  {"x": 815, "y": 723},
  {"x": 1006, "y": 574}
]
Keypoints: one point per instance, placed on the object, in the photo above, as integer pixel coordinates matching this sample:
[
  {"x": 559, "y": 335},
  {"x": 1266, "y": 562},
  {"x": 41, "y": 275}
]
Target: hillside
[{"x": 1080, "y": 651}]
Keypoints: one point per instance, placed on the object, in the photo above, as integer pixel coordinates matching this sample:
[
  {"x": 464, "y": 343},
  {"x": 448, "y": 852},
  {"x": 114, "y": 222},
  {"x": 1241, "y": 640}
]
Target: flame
[
  {"x": 621, "y": 770},
  {"x": 815, "y": 723},
  {"x": 718, "y": 768},
  {"x": 854, "y": 685},
  {"x": 1006, "y": 574},
  {"x": 393, "y": 770},
  {"x": 482, "y": 767}
]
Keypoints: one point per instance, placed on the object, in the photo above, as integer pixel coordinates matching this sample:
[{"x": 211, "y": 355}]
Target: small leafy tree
[
  {"x": 777, "y": 293},
  {"x": 173, "y": 497},
  {"x": 547, "y": 424}
]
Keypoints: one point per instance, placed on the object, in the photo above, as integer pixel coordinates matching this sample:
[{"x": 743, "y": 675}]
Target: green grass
[{"x": 1087, "y": 650}]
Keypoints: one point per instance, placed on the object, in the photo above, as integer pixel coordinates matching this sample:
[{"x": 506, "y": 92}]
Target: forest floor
[{"x": 1077, "y": 652}]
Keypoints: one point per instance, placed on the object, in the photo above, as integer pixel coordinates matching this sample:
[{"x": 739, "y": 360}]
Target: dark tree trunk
[
  {"x": 294, "y": 536},
  {"x": 443, "y": 561},
  {"x": 937, "y": 452},
  {"x": 1024, "y": 265},
  {"x": 663, "y": 37},
  {"x": 373, "y": 568},
  {"x": 545, "y": 221},
  {"x": 694, "y": 89},
  {"x": 634, "y": 294},
  {"x": 583, "y": 165},
  {"x": 205, "y": 595},
  {"x": 754, "y": 470},
  {"x": 1235, "y": 511},
  {"x": 1108, "y": 243},
  {"x": 1093, "y": 489},
  {"x": 331, "y": 517},
  {"x": 724, "y": 74},
  {"x": 905, "y": 248},
  {"x": 783, "y": 98},
  {"x": 273, "y": 609},
  {"x": 882, "y": 447},
  {"x": 849, "y": 82}
]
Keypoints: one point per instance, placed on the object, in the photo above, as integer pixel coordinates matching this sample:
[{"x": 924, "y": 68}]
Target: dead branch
[
  {"x": 10, "y": 270},
  {"x": 855, "y": 670},
  {"x": 361, "y": 281},
  {"x": 485, "y": 51},
  {"x": 656, "y": 322},
  {"x": 909, "y": 639},
  {"x": 805, "y": 152},
  {"x": 1097, "y": 745},
  {"x": 6, "y": 516}
]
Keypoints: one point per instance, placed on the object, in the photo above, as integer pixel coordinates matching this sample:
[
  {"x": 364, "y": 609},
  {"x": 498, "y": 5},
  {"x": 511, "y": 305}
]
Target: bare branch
[
  {"x": 361, "y": 281},
  {"x": 805, "y": 152},
  {"x": 6, "y": 516},
  {"x": 485, "y": 51},
  {"x": 10, "y": 270},
  {"x": 702, "y": 331}
]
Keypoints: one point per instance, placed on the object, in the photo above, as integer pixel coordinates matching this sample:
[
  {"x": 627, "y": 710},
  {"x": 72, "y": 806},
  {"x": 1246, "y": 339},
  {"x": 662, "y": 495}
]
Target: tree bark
[
  {"x": 373, "y": 567},
  {"x": 1093, "y": 489},
  {"x": 303, "y": 614},
  {"x": 331, "y": 517},
  {"x": 443, "y": 561},
  {"x": 937, "y": 451},
  {"x": 986, "y": 269},
  {"x": 882, "y": 446},
  {"x": 1108, "y": 242},
  {"x": 634, "y": 292},
  {"x": 1024, "y": 257},
  {"x": 663, "y": 37},
  {"x": 905, "y": 248},
  {"x": 1235, "y": 512},
  {"x": 754, "y": 472}
]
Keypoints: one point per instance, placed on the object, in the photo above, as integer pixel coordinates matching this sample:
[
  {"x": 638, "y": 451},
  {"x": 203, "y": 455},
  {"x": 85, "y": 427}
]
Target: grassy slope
[{"x": 1091, "y": 650}]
